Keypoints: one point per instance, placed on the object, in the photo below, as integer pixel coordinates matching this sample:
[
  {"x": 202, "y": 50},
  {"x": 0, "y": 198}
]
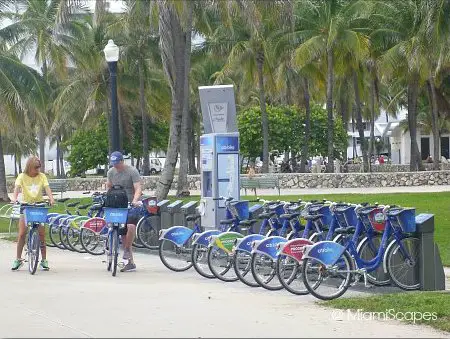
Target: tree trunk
[
  {"x": 3, "y": 188},
  {"x": 359, "y": 122},
  {"x": 192, "y": 147},
  {"x": 372, "y": 122},
  {"x": 330, "y": 80},
  {"x": 186, "y": 113},
  {"x": 145, "y": 153},
  {"x": 132, "y": 161},
  {"x": 413, "y": 89},
  {"x": 355, "y": 151},
  {"x": 172, "y": 54},
  {"x": 434, "y": 121},
  {"x": 42, "y": 147},
  {"x": 20, "y": 162},
  {"x": 264, "y": 117},
  {"x": 343, "y": 103},
  {"x": 306, "y": 98},
  {"x": 15, "y": 165},
  {"x": 61, "y": 159},
  {"x": 58, "y": 172}
]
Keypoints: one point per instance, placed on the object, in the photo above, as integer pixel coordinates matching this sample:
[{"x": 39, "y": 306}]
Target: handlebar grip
[
  {"x": 253, "y": 200},
  {"x": 215, "y": 199},
  {"x": 88, "y": 192}
]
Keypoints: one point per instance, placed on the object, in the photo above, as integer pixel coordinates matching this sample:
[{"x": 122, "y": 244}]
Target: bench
[
  {"x": 259, "y": 182},
  {"x": 11, "y": 212},
  {"x": 58, "y": 186}
]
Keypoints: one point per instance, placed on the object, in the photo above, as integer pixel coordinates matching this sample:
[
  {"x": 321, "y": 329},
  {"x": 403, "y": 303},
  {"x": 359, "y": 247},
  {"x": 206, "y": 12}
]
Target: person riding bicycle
[
  {"x": 31, "y": 182},
  {"x": 128, "y": 177}
]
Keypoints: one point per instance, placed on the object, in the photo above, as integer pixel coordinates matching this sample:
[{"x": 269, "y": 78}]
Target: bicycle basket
[
  {"x": 240, "y": 209},
  {"x": 377, "y": 219},
  {"x": 36, "y": 214},
  {"x": 150, "y": 205},
  {"x": 405, "y": 220},
  {"x": 327, "y": 216},
  {"x": 278, "y": 209},
  {"x": 116, "y": 215},
  {"x": 346, "y": 217},
  {"x": 254, "y": 211}
]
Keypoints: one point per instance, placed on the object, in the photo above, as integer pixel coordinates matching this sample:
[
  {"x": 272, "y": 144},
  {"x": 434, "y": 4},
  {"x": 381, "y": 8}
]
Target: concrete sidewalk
[{"x": 79, "y": 298}]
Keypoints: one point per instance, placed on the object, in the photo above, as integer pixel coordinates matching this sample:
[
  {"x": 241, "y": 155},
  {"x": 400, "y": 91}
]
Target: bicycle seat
[
  {"x": 193, "y": 217},
  {"x": 226, "y": 222},
  {"x": 266, "y": 215},
  {"x": 73, "y": 204},
  {"x": 63, "y": 200},
  {"x": 248, "y": 222},
  {"x": 83, "y": 207},
  {"x": 345, "y": 230},
  {"x": 313, "y": 216},
  {"x": 289, "y": 216}
]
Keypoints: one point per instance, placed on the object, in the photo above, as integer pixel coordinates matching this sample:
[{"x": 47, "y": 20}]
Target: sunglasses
[{"x": 37, "y": 167}]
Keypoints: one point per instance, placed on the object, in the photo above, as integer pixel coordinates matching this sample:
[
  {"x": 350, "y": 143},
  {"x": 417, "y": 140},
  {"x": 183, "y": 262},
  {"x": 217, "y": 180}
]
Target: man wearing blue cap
[{"x": 128, "y": 177}]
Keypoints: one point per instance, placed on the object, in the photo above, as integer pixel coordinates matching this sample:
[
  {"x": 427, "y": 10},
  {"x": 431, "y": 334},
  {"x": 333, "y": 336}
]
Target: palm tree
[
  {"x": 21, "y": 88},
  {"x": 41, "y": 27},
  {"x": 328, "y": 30}
]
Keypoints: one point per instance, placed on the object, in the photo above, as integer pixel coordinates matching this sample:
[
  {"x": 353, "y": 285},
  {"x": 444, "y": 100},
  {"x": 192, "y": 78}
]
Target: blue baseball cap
[{"x": 115, "y": 158}]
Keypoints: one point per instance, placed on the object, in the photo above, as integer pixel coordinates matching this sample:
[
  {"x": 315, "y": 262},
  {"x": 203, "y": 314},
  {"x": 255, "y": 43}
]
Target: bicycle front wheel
[
  {"x": 92, "y": 242},
  {"x": 54, "y": 235},
  {"x": 33, "y": 250},
  {"x": 221, "y": 264},
  {"x": 327, "y": 283},
  {"x": 264, "y": 270},
  {"x": 115, "y": 250},
  {"x": 289, "y": 272},
  {"x": 403, "y": 263},
  {"x": 147, "y": 233},
  {"x": 174, "y": 257},
  {"x": 200, "y": 261},
  {"x": 243, "y": 268}
]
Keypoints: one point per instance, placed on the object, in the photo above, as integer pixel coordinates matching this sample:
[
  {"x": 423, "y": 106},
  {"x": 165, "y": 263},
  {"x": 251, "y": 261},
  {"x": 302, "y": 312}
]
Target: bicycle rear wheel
[
  {"x": 92, "y": 242},
  {"x": 63, "y": 230},
  {"x": 368, "y": 249},
  {"x": 264, "y": 270},
  {"x": 33, "y": 250},
  {"x": 174, "y": 257},
  {"x": 243, "y": 268},
  {"x": 115, "y": 250},
  {"x": 200, "y": 261},
  {"x": 73, "y": 239},
  {"x": 403, "y": 263},
  {"x": 221, "y": 264},
  {"x": 147, "y": 233},
  {"x": 327, "y": 283},
  {"x": 289, "y": 272}
]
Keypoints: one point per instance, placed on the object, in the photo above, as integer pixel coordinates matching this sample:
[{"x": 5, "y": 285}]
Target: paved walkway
[{"x": 79, "y": 298}]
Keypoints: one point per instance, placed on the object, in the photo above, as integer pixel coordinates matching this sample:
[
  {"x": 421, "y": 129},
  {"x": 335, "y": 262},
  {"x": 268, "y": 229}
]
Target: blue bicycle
[
  {"x": 329, "y": 268},
  {"x": 35, "y": 216},
  {"x": 116, "y": 219}
]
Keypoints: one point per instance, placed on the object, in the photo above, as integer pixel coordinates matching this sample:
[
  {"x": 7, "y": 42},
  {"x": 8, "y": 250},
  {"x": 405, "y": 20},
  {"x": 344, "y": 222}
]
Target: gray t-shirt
[{"x": 125, "y": 178}]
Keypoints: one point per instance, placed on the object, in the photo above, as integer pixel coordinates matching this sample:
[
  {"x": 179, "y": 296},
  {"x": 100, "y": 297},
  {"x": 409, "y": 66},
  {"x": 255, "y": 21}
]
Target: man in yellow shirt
[{"x": 32, "y": 183}]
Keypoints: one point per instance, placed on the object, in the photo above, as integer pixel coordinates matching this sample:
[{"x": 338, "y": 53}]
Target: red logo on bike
[{"x": 95, "y": 224}]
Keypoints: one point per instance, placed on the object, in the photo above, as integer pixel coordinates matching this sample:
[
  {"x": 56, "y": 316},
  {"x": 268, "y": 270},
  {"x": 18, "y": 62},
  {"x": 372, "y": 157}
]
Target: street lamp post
[{"x": 112, "y": 56}]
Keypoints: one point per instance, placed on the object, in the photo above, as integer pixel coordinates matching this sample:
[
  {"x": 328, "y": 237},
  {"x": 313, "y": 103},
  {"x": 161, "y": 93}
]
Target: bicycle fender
[
  {"x": 204, "y": 238},
  {"x": 294, "y": 248},
  {"x": 245, "y": 244},
  {"x": 176, "y": 234},
  {"x": 226, "y": 240},
  {"x": 326, "y": 252},
  {"x": 95, "y": 224},
  {"x": 392, "y": 243},
  {"x": 51, "y": 215},
  {"x": 269, "y": 246}
]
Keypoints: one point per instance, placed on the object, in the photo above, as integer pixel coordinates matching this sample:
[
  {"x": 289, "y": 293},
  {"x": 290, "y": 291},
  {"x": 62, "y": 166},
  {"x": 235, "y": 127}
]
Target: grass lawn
[
  {"x": 434, "y": 203},
  {"x": 402, "y": 306}
]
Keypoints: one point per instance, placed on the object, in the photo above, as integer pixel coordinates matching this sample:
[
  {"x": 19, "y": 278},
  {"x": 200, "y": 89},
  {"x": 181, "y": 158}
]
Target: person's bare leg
[
  {"x": 128, "y": 240},
  {"x": 43, "y": 243},
  {"x": 21, "y": 237}
]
